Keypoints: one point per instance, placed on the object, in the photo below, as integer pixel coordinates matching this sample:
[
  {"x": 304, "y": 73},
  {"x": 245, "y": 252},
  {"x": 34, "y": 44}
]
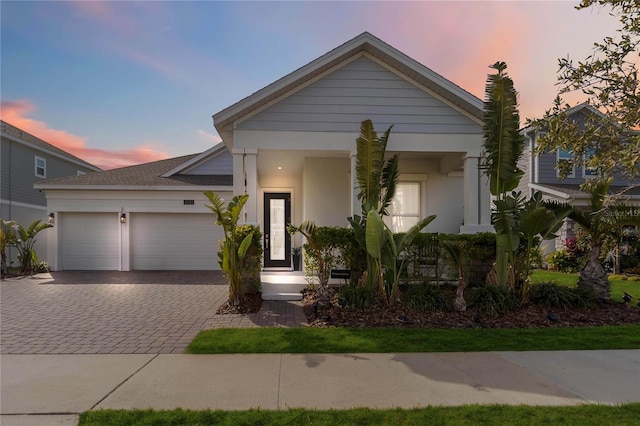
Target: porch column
[
  {"x": 251, "y": 173},
  {"x": 245, "y": 181},
  {"x": 477, "y": 199},
  {"x": 356, "y": 206}
]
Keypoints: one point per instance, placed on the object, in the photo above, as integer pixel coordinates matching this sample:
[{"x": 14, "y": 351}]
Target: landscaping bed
[
  {"x": 251, "y": 303},
  {"x": 379, "y": 315}
]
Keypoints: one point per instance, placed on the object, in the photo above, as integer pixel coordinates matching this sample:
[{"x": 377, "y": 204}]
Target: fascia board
[
  {"x": 133, "y": 188},
  {"x": 52, "y": 153},
  {"x": 198, "y": 158}
]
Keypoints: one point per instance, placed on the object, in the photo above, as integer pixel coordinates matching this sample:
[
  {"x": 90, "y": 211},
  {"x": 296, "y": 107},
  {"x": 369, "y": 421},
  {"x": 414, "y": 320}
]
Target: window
[
  {"x": 566, "y": 155},
  {"x": 41, "y": 167},
  {"x": 589, "y": 171},
  {"x": 404, "y": 211}
]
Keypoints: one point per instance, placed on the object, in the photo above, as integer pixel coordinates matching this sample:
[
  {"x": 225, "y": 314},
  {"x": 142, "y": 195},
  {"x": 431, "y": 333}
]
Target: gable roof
[
  {"x": 17, "y": 135},
  {"x": 367, "y": 43},
  {"x": 142, "y": 176},
  {"x": 197, "y": 160}
]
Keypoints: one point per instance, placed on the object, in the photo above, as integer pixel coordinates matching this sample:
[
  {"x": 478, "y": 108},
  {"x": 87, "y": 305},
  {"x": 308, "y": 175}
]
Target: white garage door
[
  {"x": 174, "y": 241},
  {"x": 90, "y": 241}
]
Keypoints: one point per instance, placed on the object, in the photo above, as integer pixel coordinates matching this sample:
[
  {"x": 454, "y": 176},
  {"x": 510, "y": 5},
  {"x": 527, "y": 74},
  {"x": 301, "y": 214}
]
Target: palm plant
[
  {"x": 503, "y": 146},
  {"x": 25, "y": 240},
  {"x": 377, "y": 181},
  {"x": 376, "y": 178},
  {"x": 457, "y": 252},
  {"x": 7, "y": 238},
  {"x": 232, "y": 253},
  {"x": 604, "y": 216}
]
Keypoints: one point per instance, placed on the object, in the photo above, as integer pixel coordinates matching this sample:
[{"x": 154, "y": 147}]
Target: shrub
[
  {"x": 492, "y": 299},
  {"x": 584, "y": 298},
  {"x": 356, "y": 297},
  {"x": 427, "y": 297},
  {"x": 633, "y": 278},
  {"x": 339, "y": 249},
  {"x": 251, "y": 265},
  {"x": 40, "y": 267},
  {"x": 552, "y": 295}
]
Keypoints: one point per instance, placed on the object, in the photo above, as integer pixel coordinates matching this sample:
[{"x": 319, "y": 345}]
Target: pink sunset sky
[{"x": 122, "y": 83}]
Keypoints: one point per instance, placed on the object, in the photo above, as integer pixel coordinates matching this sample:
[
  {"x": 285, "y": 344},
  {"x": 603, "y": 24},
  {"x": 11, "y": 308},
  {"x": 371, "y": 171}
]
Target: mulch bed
[
  {"x": 251, "y": 304},
  {"x": 530, "y": 316}
]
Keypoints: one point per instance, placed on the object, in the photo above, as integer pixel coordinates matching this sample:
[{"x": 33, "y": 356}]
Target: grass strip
[
  {"x": 626, "y": 414},
  {"x": 618, "y": 286},
  {"x": 386, "y": 340}
]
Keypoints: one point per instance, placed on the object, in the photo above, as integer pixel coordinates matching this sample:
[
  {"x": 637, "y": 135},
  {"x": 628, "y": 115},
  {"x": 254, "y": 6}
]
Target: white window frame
[
  {"x": 589, "y": 172},
  {"x": 43, "y": 167},
  {"x": 559, "y": 158},
  {"x": 409, "y": 180}
]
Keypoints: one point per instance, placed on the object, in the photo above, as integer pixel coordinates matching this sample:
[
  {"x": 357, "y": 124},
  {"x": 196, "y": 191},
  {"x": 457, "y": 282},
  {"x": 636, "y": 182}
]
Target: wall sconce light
[
  {"x": 123, "y": 218},
  {"x": 52, "y": 218}
]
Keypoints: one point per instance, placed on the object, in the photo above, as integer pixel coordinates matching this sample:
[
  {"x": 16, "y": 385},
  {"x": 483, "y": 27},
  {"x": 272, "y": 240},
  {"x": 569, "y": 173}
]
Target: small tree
[
  {"x": 457, "y": 252},
  {"x": 7, "y": 238},
  {"x": 26, "y": 239},
  {"x": 604, "y": 216},
  {"x": 609, "y": 80},
  {"x": 232, "y": 253}
]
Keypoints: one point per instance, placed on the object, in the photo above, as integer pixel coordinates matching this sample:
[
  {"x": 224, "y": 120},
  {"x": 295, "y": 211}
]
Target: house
[
  {"x": 25, "y": 161},
  {"x": 291, "y": 147},
  {"x": 541, "y": 174}
]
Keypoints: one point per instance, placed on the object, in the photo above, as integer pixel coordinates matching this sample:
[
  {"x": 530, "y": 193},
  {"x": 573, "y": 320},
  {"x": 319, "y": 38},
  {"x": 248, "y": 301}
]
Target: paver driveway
[{"x": 107, "y": 312}]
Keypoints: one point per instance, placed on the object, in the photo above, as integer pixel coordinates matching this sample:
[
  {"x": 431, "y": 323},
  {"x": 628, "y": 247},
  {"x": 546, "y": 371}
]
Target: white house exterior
[{"x": 291, "y": 146}]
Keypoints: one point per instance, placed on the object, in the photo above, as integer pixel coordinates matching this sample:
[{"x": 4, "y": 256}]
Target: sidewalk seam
[
  {"x": 123, "y": 382},
  {"x": 279, "y": 381}
]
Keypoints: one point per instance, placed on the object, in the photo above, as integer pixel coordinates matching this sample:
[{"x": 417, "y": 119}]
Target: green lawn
[
  {"x": 386, "y": 340},
  {"x": 618, "y": 287},
  {"x": 597, "y": 415}
]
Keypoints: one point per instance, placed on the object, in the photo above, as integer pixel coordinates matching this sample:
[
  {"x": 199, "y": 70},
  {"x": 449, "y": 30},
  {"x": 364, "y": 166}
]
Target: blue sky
[{"x": 120, "y": 83}]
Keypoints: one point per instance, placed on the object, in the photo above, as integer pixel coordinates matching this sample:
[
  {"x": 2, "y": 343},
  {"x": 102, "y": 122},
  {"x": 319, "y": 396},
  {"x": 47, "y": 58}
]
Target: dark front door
[{"x": 277, "y": 241}]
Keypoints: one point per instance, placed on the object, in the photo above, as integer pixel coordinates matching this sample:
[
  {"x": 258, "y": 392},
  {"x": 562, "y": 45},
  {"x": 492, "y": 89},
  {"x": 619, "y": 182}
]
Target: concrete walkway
[
  {"x": 53, "y": 389},
  {"x": 73, "y": 342}
]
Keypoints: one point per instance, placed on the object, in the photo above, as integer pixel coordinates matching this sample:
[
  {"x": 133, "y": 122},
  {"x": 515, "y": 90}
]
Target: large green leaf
[
  {"x": 375, "y": 234},
  {"x": 369, "y": 163},
  {"x": 244, "y": 245},
  {"x": 503, "y": 143}
]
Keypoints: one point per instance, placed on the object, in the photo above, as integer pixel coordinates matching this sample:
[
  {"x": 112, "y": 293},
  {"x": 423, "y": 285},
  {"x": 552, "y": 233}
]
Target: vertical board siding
[
  {"x": 361, "y": 90},
  {"x": 221, "y": 164}
]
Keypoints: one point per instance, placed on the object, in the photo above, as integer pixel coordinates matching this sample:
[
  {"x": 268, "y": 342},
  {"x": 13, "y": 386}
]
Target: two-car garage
[{"x": 149, "y": 241}]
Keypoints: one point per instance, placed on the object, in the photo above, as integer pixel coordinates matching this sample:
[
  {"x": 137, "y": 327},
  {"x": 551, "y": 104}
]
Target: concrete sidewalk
[{"x": 54, "y": 389}]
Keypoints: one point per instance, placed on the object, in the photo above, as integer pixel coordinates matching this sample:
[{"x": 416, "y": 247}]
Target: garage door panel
[
  {"x": 90, "y": 241},
  {"x": 177, "y": 241}
]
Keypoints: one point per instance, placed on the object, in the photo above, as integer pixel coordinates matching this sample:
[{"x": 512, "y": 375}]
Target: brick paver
[{"x": 121, "y": 312}]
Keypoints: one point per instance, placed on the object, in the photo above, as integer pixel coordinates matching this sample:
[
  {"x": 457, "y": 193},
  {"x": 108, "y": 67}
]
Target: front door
[{"x": 277, "y": 241}]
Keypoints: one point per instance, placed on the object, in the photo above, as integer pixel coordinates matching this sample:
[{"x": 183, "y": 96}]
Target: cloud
[
  {"x": 16, "y": 112},
  {"x": 209, "y": 136}
]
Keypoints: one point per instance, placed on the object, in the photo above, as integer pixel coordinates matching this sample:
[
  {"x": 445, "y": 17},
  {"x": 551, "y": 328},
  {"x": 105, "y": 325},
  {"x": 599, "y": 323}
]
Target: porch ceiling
[{"x": 291, "y": 162}]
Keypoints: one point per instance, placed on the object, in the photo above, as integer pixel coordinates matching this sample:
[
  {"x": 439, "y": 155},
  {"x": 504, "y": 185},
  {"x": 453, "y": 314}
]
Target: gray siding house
[
  {"x": 541, "y": 174},
  {"x": 26, "y": 160}
]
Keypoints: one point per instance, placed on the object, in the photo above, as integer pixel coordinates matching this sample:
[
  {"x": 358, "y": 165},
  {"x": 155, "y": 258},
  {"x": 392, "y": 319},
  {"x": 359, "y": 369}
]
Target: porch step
[
  {"x": 282, "y": 285},
  {"x": 281, "y": 296}
]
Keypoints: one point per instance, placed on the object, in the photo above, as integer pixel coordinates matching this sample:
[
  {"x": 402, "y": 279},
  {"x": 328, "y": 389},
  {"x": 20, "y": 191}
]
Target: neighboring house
[
  {"x": 24, "y": 161},
  {"x": 541, "y": 174},
  {"x": 291, "y": 147}
]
